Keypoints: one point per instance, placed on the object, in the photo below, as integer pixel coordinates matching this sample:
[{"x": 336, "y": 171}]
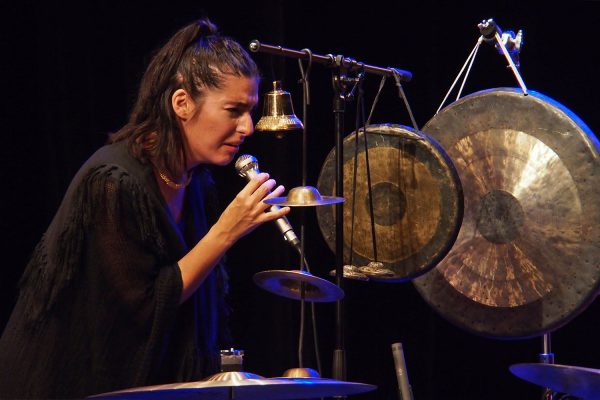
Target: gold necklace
[{"x": 172, "y": 184}]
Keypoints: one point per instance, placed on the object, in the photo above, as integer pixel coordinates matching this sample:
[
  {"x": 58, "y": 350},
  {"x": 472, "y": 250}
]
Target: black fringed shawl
[{"x": 98, "y": 308}]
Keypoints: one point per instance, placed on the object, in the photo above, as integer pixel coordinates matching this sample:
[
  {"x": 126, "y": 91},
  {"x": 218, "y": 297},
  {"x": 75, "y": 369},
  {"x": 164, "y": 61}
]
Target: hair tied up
[{"x": 205, "y": 28}]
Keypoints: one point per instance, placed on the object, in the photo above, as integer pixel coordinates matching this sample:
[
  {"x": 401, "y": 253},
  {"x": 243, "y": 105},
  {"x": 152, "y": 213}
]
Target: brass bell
[{"x": 278, "y": 112}]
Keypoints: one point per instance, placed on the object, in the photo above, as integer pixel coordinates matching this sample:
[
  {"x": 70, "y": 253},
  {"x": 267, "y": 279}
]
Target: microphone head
[{"x": 247, "y": 166}]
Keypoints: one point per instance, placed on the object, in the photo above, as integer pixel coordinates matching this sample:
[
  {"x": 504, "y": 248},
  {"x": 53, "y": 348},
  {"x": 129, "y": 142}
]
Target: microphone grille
[{"x": 246, "y": 163}]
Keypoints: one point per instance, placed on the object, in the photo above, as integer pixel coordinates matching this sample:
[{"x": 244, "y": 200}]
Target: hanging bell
[{"x": 278, "y": 112}]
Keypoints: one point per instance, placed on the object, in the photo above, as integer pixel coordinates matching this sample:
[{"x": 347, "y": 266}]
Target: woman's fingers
[
  {"x": 248, "y": 210},
  {"x": 263, "y": 190},
  {"x": 253, "y": 184},
  {"x": 274, "y": 212}
]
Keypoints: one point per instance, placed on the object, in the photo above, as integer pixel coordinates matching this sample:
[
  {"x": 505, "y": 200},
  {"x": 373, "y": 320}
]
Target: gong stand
[
  {"x": 343, "y": 86},
  {"x": 490, "y": 31},
  {"x": 508, "y": 45}
]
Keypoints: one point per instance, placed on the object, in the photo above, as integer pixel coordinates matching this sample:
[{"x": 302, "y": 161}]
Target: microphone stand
[{"x": 341, "y": 65}]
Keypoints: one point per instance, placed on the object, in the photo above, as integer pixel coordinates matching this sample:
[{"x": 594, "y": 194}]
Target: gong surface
[
  {"x": 417, "y": 201},
  {"x": 526, "y": 259}
]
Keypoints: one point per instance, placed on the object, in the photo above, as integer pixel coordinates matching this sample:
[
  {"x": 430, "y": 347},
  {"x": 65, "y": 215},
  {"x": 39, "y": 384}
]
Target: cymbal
[
  {"x": 351, "y": 272},
  {"x": 575, "y": 381},
  {"x": 289, "y": 284},
  {"x": 525, "y": 261},
  {"x": 243, "y": 386},
  {"x": 373, "y": 269},
  {"x": 304, "y": 196}
]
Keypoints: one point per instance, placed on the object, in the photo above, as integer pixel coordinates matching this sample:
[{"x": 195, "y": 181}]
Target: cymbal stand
[
  {"x": 547, "y": 357},
  {"x": 341, "y": 82}
]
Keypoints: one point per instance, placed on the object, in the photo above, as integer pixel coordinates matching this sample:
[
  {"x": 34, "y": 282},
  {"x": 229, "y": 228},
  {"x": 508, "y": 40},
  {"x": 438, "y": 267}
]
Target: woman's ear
[{"x": 182, "y": 104}]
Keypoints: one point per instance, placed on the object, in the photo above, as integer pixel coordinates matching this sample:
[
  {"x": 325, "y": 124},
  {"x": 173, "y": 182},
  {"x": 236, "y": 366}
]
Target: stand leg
[{"x": 547, "y": 357}]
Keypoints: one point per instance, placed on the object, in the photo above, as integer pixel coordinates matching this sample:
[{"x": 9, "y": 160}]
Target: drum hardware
[
  {"x": 507, "y": 43},
  {"x": 340, "y": 66},
  {"x": 575, "y": 381},
  {"x": 547, "y": 357},
  {"x": 232, "y": 360},
  {"x": 300, "y": 285}
]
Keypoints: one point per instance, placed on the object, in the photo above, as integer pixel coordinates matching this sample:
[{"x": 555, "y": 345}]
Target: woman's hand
[
  {"x": 247, "y": 210},
  {"x": 242, "y": 215}
]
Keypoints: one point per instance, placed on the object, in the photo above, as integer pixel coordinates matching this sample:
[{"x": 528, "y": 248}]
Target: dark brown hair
[{"x": 196, "y": 57}]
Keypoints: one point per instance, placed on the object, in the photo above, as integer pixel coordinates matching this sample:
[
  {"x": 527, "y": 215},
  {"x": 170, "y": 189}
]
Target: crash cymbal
[
  {"x": 417, "y": 202},
  {"x": 243, "y": 386},
  {"x": 575, "y": 381},
  {"x": 290, "y": 284},
  {"x": 525, "y": 261},
  {"x": 304, "y": 196}
]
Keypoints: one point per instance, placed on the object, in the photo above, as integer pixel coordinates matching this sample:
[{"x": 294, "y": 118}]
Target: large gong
[
  {"x": 417, "y": 201},
  {"x": 526, "y": 259}
]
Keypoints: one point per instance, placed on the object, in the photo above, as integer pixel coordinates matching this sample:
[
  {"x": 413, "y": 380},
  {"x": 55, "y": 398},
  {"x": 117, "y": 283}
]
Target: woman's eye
[{"x": 234, "y": 111}]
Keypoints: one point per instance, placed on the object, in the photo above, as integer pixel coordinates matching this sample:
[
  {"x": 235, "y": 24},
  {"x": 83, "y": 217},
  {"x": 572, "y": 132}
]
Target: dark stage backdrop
[{"x": 69, "y": 76}]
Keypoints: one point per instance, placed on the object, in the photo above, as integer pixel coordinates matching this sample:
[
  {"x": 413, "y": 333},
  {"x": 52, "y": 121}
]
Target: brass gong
[
  {"x": 417, "y": 201},
  {"x": 526, "y": 259}
]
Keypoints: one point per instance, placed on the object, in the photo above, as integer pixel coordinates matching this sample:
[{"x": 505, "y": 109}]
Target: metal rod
[
  {"x": 339, "y": 108},
  {"x": 547, "y": 357},
  {"x": 329, "y": 60},
  {"x": 511, "y": 63}
]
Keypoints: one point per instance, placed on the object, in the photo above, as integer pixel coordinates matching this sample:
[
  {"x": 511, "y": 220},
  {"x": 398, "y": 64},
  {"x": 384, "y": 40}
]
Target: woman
[{"x": 125, "y": 288}]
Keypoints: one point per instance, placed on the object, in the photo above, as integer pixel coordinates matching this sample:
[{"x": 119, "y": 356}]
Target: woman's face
[{"x": 219, "y": 122}]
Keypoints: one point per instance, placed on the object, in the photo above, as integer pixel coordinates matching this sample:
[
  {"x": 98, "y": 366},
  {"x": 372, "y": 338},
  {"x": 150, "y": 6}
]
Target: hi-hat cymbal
[
  {"x": 290, "y": 284},
  {"x": 304, "y": 196},
  {"x": 576, "y": 381},
  {"x": 243, "y": 386}
]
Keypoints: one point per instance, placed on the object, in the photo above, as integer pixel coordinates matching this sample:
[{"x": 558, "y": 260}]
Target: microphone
[
  {"x": 401, "y": 373},
  {"x": 247, "y": 167}
]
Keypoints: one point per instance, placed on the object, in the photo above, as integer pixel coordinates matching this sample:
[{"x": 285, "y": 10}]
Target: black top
[{"x": 98, "y": 307}]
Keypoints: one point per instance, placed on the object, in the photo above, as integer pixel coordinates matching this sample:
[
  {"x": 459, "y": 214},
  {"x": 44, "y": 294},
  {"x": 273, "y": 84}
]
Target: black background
[{"x": 69, "y": 76}]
